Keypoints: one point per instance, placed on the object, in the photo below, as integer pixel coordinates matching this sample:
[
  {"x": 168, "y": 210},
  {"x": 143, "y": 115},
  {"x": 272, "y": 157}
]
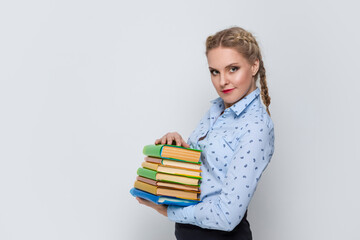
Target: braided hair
[{"x": 245, "y": 43}]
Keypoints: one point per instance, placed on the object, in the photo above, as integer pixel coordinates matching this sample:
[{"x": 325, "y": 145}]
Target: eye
[
  {"x": 214, "y": 72},
  {"x": 234, "y": 69}
]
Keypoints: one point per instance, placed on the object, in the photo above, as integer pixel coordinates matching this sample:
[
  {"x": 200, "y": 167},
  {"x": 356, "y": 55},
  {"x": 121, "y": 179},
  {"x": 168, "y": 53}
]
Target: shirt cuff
[{"x": 182, "y": 214}]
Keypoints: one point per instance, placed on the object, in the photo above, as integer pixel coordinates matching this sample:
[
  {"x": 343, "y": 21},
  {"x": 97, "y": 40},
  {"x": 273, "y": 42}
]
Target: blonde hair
[{"x": 245, "y": 43}]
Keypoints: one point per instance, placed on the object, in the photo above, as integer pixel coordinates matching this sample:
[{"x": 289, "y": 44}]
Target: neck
[{"x": 250, "y": 90}]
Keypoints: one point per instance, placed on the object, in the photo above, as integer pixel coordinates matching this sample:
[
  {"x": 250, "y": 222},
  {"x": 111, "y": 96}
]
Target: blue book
[{"x": 162, "y": 199}]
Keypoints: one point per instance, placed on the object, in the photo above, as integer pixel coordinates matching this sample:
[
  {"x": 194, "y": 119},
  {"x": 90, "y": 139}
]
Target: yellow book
[
  {"x": 171, "y": 170},
  {"x": 164, "y": 177},
  {"x": 174, "y": 163},
  {"x": 168, "y": 184},
  {"x": 166, "y": 191}
]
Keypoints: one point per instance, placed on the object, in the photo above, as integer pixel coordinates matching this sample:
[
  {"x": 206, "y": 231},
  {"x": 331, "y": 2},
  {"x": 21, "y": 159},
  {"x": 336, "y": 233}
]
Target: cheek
[
  {"x": 215, "y": 83},
  {"x": 243, "y": 78}
]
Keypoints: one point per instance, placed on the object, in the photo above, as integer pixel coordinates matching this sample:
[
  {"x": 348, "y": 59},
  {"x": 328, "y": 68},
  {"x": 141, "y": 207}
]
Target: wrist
[{"x": 163, "y": 210}]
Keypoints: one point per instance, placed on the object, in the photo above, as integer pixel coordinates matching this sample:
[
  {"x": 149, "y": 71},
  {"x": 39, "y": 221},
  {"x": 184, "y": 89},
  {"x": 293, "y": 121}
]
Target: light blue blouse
[{"x": 236, "y": 150}]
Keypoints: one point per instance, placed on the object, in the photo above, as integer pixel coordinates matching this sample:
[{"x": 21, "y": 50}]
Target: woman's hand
[
  {"x": 172, "y": 138},
  {"x": 162, "y": 209}
]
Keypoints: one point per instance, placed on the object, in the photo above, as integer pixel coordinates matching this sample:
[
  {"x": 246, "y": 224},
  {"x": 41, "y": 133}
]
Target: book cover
[
  {"x": 191, "y": 195},
  {"x": 168, "y": 185},
  {"x": 148, "y": 173},
  {"x": 172, "y": 170},
  {"x": 174, "y": 163},
  {"x": 162, "y": 199},
  {"x": 172, "y": 152}
]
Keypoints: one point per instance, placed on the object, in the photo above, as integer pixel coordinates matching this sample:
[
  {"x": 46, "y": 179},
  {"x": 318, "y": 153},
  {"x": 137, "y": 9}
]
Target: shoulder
[
  {"x": 255, "y": 123},
  {"x": 252, "y": 123},
  {"x": 256, "y": 116}
]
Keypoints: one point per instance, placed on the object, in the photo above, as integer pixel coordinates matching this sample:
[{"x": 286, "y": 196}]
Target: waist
[{"x": 241, "y": 231}]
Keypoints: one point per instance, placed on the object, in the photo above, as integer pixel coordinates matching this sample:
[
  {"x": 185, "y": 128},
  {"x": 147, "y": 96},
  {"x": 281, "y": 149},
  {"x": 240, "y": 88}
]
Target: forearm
[{"x": 216, "y": 213}]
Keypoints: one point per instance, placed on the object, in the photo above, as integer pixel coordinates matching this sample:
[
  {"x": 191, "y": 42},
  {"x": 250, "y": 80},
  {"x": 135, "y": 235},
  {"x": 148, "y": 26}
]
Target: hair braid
[{"x": 264, "y": 89}]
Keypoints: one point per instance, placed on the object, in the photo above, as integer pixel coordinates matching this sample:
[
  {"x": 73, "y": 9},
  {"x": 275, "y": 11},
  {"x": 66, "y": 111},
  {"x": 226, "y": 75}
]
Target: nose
[{"x": 223, "y": 80}]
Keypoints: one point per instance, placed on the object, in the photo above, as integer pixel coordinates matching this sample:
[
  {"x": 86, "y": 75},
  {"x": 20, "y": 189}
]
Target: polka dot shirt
[{"x": 237, "y": 147}]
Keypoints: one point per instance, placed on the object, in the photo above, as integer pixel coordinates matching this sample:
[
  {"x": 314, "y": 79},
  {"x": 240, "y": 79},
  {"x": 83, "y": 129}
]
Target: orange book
[
  {"x": 171, "y": 170},
  {"x": 168, "y": 184},
  {"x": 164, "y": 177},
  {"x": 166, "y": 191},
  {"x": 174, "y": 163},
  {"x": 173, "y": 152}
]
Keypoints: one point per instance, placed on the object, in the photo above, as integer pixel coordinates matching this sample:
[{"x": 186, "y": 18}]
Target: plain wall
[{"x": 84, "y": 85}]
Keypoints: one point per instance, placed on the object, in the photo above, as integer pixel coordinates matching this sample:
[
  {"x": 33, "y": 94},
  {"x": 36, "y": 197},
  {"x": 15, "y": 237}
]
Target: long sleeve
[{"x": 225, "y": 210}]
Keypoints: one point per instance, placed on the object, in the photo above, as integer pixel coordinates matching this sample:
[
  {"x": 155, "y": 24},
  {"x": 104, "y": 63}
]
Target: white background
[{"x": 86, "y": 84}]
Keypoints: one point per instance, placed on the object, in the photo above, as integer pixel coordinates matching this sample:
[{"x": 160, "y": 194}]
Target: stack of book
[{"x": 169, "y": 175}]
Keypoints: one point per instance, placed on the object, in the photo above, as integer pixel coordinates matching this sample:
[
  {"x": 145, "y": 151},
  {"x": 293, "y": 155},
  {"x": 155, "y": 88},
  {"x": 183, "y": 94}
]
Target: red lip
[{"x": 227, "y": 90}]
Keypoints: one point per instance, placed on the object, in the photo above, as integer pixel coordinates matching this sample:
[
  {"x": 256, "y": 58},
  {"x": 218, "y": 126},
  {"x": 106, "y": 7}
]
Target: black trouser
[{"x": 189, "y": 232}]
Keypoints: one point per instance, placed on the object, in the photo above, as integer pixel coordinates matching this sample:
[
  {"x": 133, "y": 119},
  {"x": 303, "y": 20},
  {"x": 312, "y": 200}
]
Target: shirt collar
[{"x": 238, "y": 107}]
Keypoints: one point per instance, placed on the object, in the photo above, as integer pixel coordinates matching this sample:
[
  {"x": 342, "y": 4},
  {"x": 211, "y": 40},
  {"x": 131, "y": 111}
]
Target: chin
[
  {"x": 228, "y": 103},
  {"x": 230, "y": 100}
]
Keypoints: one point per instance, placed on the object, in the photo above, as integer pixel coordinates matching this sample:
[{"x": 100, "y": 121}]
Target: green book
[
  {"x": 173, "y": 152},
  {"x": 164, "y": 177}
]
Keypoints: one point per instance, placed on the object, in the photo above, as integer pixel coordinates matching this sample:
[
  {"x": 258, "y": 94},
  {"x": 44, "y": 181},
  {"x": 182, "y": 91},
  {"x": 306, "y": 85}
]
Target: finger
[
  {"x": 142, "y": 201},
  {"x": 157, "y": 141},
  {"x": 178, "y": 140},
  {"x": 184, "y": 144},
  {"x": 163, "y": 140},
  {"x": 147, "y": 203},
  {"x": 170, "y": 139}
]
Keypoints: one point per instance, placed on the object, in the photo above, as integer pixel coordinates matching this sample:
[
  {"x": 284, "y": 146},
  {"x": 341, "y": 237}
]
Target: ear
[{"x": 255, "y": 67}]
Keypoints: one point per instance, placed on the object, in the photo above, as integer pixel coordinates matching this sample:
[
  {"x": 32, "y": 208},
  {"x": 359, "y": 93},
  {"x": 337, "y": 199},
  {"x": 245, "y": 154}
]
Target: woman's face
[{"x": 231, "y": 74}]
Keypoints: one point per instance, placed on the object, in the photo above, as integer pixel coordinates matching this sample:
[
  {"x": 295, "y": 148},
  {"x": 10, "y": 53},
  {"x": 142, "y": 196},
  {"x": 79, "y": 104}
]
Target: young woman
[{"x": 237, "y": 139}]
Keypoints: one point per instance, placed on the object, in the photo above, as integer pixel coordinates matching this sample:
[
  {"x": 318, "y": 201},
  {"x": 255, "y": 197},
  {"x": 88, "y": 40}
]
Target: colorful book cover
[
  {"x": 174, "y": 163},
  {"x": 172, "y": 152},
  {"x": 162, "y": 199},
  {"x": 168, "y": 192},
  {"x": 172, "y": 170},
  {"x": 167, "y": 184},
  {"x": 148, "y": 173}
]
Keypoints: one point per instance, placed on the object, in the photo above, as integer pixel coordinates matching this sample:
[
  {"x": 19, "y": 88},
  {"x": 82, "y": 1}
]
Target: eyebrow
[{"x": 225, "y": 67}]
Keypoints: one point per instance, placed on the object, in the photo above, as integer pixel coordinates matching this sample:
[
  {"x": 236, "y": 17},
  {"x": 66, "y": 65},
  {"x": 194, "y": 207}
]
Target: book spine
[
  {"x": 146, "y": 180},
  {"x": 162, "y": 200},
  {"x": 143, "y": 172},
  {"x": 152, "y": 166},
  {"x": 152, "y": 150},
  {"x": 148, "y": 196},
  {"x": 153, "y": 160},
  {"x": 146, "y": 187}
]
